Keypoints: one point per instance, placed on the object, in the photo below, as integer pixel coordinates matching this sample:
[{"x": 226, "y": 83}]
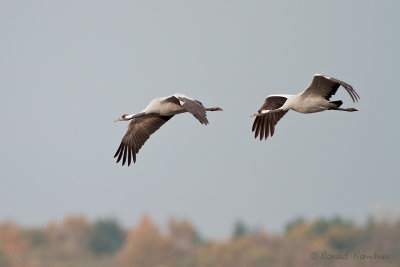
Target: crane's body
[{"x": 310, "y": 104}]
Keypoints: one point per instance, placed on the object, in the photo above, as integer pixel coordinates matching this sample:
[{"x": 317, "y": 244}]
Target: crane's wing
[
  {"x": 326, "y": 87},
  {"x": 265, "y": 125},
  {"x": 139, "y": 130},
  {"x": 273, "y": 102},
  {"x": 193, "y": 106},
  {"x": 171, "y": 99}
]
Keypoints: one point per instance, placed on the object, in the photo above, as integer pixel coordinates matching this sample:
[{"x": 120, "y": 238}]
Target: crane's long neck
[{"x": 129, "y": 117}]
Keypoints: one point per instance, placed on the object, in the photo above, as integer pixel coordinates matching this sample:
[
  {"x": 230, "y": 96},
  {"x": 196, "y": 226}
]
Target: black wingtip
[
  {"x": 125, "y": 153},
  {"x": 120, "y": 155},
  {"x": 119, "y": 148},
  {"x": 254, "y": 124}
]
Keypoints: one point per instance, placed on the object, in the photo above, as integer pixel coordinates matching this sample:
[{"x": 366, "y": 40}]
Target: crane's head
[
  {"x": 258, "y": 113},
  {"x": 122, "y": 118}
]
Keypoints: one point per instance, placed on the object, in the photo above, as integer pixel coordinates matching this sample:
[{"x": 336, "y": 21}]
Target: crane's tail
[{"x": 338, "y": 103}]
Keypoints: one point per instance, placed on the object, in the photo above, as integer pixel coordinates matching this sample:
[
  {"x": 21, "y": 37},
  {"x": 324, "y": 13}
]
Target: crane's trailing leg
[
  {"x": 347, "y": 109},
  {"x": 214, "y": 109},
  {"x": 337, "y": 105}
]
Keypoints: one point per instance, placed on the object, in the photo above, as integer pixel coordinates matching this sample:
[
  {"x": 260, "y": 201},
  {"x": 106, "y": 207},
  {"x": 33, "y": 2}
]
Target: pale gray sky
[{"x": 68, "y": 68}]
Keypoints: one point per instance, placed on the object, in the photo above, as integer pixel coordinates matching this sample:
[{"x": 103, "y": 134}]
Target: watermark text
[{"x": 349, "y": 255}]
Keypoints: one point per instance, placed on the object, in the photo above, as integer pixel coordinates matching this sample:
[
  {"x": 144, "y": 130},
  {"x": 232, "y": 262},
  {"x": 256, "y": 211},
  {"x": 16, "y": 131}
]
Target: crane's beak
[
  {"x": 255, "y": 114},
  {"x": 119, "y": 119}
]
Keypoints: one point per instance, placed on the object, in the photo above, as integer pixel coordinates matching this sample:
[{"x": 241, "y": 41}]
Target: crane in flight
[
  {"x": 315, "y": 98},
  {"x": 157, "y": 112}
]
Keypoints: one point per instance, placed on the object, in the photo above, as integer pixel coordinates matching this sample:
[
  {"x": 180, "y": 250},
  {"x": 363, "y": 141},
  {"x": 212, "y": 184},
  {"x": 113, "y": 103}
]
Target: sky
[{"x": 69, "y": 68}]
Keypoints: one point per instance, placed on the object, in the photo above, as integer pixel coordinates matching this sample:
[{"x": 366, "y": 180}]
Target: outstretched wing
[
  {"x": 273, "y": 102},
  {"x": 265, "y": 125},
  {"x": 326, "y": 87},
  {"x": 193, "y": 106},
  {"x": 139, "y": 130}
]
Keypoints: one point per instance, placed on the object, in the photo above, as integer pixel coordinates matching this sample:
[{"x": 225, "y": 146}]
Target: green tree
[
  {"x": 319, "y": 227},
  {"x": 106, "y": 237},
  {"x": 36, "y": 237},
  {"x": 240, "y": 229}
]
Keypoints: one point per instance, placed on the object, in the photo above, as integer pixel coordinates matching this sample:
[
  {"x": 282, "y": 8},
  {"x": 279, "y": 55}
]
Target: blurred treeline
[{"x": 77, "y": 242}]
